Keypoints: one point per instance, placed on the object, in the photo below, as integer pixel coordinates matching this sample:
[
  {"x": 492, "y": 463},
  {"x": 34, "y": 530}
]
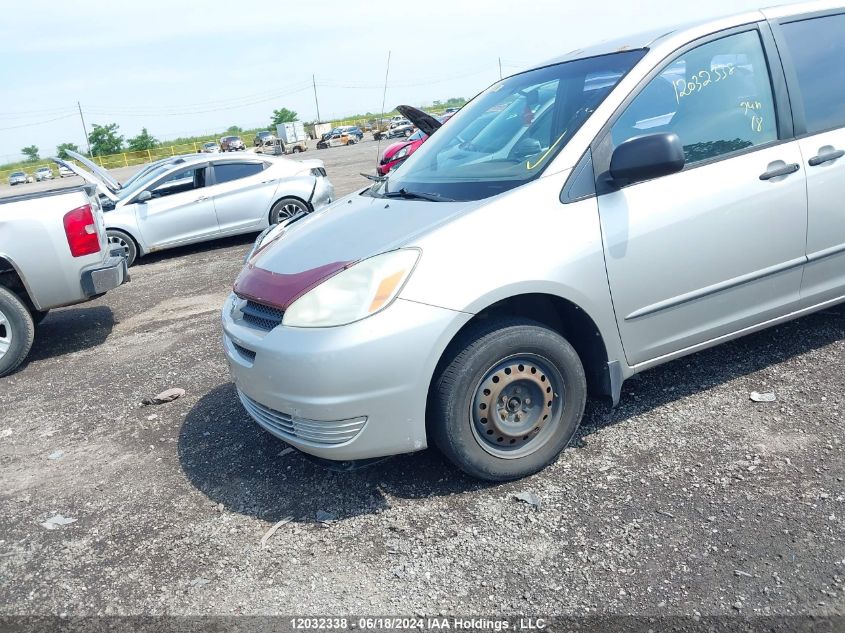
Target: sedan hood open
[
  {"x": 88, "y": 177},
  {"x": 422, "y": 120},
  {"x": 322, "y": 244},
  {"x": 98, "y": 171}
]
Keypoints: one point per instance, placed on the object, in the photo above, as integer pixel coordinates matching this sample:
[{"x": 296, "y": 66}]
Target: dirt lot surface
[{"x": 688, "y": 498}]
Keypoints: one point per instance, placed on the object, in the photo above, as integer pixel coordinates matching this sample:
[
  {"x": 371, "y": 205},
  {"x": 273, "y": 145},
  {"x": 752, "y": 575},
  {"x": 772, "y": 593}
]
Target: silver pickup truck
[{"x": 53, "y": 252}]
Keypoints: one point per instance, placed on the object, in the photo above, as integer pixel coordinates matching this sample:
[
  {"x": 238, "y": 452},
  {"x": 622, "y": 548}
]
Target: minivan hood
[
  {"x": 422, "y": 120},
  {"x": 98, "y": 171},
  {"x": 88, "y": 177},
  {"x": 326, "y": 242}
]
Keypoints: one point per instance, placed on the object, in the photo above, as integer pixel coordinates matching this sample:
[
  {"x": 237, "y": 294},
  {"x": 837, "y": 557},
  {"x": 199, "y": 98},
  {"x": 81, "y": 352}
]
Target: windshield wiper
[{"x": 415, "y": 195}]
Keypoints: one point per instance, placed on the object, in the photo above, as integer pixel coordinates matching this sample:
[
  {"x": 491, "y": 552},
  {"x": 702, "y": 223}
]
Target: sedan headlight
[
  {"x": 401, "y": 153},
  {"x": 355, "y": 293}
]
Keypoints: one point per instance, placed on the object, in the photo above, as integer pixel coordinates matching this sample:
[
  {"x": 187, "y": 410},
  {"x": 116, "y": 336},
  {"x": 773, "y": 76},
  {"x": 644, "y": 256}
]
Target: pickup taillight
[{"x": 81, "y": 231}]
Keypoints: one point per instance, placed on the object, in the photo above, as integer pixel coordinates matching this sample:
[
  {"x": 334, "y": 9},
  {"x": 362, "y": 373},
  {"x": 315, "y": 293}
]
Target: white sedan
[{"x": 204, "y": 197}]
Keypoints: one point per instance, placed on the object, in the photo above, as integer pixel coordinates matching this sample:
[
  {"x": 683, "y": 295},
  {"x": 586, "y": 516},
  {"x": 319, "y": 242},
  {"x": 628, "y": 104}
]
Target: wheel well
[
  {"x": 270, "y": 213},
  {"x": 11, "y": 280},
  {"x": 560, "y": 315}
]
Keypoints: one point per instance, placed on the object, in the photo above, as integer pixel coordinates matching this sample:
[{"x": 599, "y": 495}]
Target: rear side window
[
  {"x": 233, "y": 171},
  {"x": 716, "y": 97},
  {"x": 817, "y": 48}
]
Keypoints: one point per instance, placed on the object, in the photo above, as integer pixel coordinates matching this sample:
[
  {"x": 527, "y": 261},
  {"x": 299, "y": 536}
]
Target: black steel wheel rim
[{"x": 517, "y": 405}]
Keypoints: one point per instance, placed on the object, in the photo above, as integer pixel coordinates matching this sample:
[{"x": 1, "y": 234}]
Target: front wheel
[
  {"x": 509, "y": 400},
  {"x": 286, "y": 208},
  {"x": 17, "y": 331},
  {"x": 119, "y": 239}
]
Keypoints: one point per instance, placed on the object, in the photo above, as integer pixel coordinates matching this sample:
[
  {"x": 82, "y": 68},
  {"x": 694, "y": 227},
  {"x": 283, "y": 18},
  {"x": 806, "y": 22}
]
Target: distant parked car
[
  {"x": 354, "y": 130},
  {"x": 43, "y": 173},
  {"x": 277, "y": 147},
  {"x": 17, "y": 178},
  {"x": 262, "y": 137},
  {"x": 210, "y": 148},
  {"x": 232, "y": 144},
  {"x": 202, "y": 198},
  {"x": 400, "y": 129},
  {"x": 64, "y": 171},
  {"x": 337, "y": 138}
]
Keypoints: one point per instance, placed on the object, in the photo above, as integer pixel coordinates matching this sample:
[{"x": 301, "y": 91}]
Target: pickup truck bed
[{"x": 53, "y": 252}]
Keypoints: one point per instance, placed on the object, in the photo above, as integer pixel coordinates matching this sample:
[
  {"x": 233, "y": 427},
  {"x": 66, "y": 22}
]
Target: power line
[{"x": 17, "y": 127}]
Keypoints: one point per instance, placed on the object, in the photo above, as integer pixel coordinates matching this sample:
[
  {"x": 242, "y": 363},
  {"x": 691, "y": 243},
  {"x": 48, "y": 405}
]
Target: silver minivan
[{"x": 571, "y": 226}]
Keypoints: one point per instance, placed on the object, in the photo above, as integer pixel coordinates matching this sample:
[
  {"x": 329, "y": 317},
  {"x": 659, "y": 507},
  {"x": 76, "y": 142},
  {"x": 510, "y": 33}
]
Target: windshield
[
  {"x": 142, "y": 181},
  {"x": 17, "y": 173},
  {"x": 510, "y": 133}
]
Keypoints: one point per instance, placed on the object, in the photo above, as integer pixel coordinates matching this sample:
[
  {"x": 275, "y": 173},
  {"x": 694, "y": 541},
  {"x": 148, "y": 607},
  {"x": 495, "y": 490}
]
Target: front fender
[{"x": 124, "y": 219}]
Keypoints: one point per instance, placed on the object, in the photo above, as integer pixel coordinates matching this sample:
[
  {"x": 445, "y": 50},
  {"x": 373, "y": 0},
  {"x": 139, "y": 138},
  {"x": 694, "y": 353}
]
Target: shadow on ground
[
  {"x": 71, "y": 330},
  {"x": 235, "y": 463},
  {"x": 203, "y": 248}
]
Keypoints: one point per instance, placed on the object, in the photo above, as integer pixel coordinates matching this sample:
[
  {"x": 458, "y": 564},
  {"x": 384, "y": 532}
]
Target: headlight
[
  {"x": 401, "y": 153},
  {"x": 355, "y": 293}
]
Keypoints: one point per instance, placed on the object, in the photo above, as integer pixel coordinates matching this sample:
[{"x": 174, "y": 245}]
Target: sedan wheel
[
  {"x": 119, "y": 239},
  {"x": 286, "y": 208}
]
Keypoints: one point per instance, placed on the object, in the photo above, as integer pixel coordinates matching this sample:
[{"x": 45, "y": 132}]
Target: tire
[
  {"x": 523, "y": 362},
  {"x": 296, "y": 150},
  {"x": 287, "y": 208},
  {"x": 119, "y": 239},
  {"x": 17, "y": 331},
  {"x": 407, "y": 133}
]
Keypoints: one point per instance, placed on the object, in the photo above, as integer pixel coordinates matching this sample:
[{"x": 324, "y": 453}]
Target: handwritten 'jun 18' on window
[{"x": 700, "y": 80}]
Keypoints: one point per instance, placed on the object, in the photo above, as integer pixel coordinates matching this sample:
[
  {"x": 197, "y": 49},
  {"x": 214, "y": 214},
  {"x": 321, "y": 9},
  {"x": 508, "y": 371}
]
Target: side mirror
[
  {"x": 144, "y": 196},
  {"x": 646, "y": 157}
]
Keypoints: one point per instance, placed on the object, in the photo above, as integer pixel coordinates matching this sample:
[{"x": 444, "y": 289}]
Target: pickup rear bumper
[{"x": 99, "y": 280}]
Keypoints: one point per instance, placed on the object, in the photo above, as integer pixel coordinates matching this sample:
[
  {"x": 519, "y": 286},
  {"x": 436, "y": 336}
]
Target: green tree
[
  {"x": 143, "y": 141},
  {"x": 31, "y": 153},
  {"x": 234, "y": 129},
  {"x": 61, "y": 150},
  {"x": 104, "y": 139},
  {"x": 283, "y": 115}
]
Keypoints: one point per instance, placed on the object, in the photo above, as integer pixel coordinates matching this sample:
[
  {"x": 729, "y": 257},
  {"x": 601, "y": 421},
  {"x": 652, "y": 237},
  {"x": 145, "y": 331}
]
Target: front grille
[
  {"x": 261, "y": 316},
  {"x": 248, "y": 354},
  {"x": 314, "y": 431}
]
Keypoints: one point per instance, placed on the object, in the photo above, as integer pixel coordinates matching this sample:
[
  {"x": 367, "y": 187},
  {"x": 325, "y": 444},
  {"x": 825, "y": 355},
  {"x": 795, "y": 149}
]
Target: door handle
[
  {"x": 826, "y": 157},
  {"x": 780, "y": 171},
  {"x": 200, "y": 199}
]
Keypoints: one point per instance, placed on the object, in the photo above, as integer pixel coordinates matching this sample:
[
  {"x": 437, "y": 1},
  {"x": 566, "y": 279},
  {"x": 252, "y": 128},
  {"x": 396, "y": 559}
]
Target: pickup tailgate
[{"x": 56, "y": 241}]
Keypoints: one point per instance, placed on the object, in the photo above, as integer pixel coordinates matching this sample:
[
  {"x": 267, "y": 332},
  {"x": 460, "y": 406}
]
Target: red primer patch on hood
[{"x": 280, "y": 290}]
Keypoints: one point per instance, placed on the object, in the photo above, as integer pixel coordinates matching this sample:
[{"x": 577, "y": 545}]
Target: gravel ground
[{"x": 687, "y": 499}]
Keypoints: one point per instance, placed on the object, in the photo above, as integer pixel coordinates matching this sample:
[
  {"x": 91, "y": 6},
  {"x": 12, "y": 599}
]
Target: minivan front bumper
[{"x": 352, "y": 392}]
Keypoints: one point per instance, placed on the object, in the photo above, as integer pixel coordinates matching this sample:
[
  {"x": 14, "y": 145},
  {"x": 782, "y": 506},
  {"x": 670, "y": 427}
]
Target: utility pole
[
  {"x": 383, "y": 101},
  {"x": 317, "y": 103},
  {"x": 500, "y": 68},
  {"x": 84, "y": 129}
]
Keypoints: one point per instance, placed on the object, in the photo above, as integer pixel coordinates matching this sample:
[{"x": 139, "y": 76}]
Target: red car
[{"x": 396, "y": 153}]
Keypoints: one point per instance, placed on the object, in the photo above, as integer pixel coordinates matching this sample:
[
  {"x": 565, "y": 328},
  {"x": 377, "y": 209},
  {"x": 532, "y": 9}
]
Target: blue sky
[{"x": 190, "y": 67}]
